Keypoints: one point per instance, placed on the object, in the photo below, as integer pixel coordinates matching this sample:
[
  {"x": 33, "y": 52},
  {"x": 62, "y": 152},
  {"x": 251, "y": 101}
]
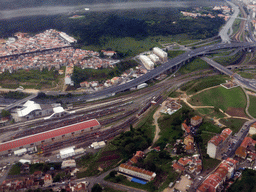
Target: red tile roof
[
  {"x": 184, "y": 161},
  {"x": 176, "y": 166},
  {"x": 47, "y": 135},
  {"x": 136, "y": 169},
  {"x": 196, "y": 118}
]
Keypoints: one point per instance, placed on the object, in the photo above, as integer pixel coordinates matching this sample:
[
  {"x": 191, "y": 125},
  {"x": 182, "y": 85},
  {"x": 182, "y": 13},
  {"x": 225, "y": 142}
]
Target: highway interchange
[{"x": 172, "y": 65}]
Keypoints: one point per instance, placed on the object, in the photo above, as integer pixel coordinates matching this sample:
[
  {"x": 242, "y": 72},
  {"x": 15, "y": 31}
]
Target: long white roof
[{"x": 28, "y": 107}]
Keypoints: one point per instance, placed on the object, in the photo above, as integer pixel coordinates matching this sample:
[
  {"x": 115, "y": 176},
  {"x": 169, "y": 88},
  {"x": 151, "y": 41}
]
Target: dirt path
[
  {"x": 247, "y": 103},
  {"x": 156, "y": 115}
]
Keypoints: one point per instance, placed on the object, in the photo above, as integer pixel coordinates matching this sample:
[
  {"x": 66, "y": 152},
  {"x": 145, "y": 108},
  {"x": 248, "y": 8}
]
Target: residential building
[
  {"x": 68, "y": 164},
  {"x": 214, "y": 182},
  {"x": 196, "y": 121},
  {"x": 137, "y": 172},
  {"x": 47, "y": 180},
  {"x": 244, "y": 147},
  {"x": 215, "y": 143}
]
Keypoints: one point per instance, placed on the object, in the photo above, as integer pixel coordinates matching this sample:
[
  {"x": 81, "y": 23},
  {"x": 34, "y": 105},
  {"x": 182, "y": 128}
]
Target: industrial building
[
  {"x": 49, "y": 136},
  {"x": 160, "y": 53},
  {"x": 31, "y": 110},
  {"x": 149, "y": 65}
]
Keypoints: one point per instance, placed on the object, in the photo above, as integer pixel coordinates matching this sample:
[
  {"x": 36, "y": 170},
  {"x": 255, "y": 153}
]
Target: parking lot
[{"x": 182, "y": 185}]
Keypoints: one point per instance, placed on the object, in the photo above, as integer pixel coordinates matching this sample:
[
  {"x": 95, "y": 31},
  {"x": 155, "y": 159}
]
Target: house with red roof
[
  {"x": 196, "y": 121},
  {"x": 243, "y": 149}
]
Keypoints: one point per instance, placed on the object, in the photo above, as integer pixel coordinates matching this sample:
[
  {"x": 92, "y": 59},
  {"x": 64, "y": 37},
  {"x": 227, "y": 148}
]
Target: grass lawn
[
  {"x": 203, "y": 83},
  {"x": 210, "y": 112},
  {"x": 194, "y": 65},
  {"x": 252, "y": 108},
  {"x": 15, "y": 170},
  {"x": 127, "y": 45},
  {"x": 234, "y": 124},
  {"x": 106, "y": 158},
  {"x": 172, "y": 54},
  {"x": 246, "y": 183},
  {"x": 221, "y": 98},
  {"x": 229, "y": 60},
  {"x": 170, "y": 125},
  {"x": 32, "y": 79},
  {"x": 175, "y": 94},
  {"x": 247, "y": 75},
  {"x": 210, "y": 163}
]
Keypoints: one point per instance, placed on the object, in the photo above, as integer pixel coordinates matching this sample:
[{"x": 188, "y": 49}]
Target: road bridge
[
  {"x": 170, "y": 65},
  {"x": 18, "y": 103}
]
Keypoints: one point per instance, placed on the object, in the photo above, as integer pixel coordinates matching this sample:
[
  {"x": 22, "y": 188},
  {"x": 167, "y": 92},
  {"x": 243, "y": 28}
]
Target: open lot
[{"x": 221, "y": 98}]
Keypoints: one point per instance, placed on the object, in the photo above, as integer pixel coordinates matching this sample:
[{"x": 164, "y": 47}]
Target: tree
[
  {"x": 96, "y": 188},
  {"x": 254, "y": 137},
  {"x": 5, "y": 113},
  {"x": 102, "y": 54}
]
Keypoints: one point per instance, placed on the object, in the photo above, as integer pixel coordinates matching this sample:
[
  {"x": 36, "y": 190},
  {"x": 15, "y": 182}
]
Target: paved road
[
  {"x": 170, "y": 65},
  {"x": 228, "y": 27},
  {"x": 21, "y": 101}
]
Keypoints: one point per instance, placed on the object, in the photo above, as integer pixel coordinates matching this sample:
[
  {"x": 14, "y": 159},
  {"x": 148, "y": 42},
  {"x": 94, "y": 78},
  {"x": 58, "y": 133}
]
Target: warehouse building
[
  {"x": 160, "y": 53},
  {"x": 49, "y": 136},
  {"x": 148, "y": 64}
]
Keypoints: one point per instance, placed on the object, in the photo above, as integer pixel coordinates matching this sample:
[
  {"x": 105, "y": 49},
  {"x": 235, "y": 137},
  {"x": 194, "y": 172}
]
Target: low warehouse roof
[{"x": 48, "y": 134}]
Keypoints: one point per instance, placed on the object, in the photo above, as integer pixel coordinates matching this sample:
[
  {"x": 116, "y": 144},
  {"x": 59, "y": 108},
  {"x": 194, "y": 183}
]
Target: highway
[
  {"x": 169, "y": 65},
  {"x": 228, "y": 26}
]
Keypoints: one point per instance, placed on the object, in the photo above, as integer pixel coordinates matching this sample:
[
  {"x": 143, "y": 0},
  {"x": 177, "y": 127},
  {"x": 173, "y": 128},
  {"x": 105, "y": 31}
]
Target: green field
[
  {"x": 194, "y": 65},
  {"x": 32, "y": 79},
  {"x": 229, "y": 59},
  {"x": 252, "y": 108},
  {"x": 247, "y": 75},
  {"x": 210, "y": 112},
  {"x": 233, "y": 123},
  {"x": 221, "y": 98},
  {"x": 129, "y": 46},
  {"x": 203, "y": 83},
  {"x": 246, "y": 183},
  {"x": 172, "y": 54}
]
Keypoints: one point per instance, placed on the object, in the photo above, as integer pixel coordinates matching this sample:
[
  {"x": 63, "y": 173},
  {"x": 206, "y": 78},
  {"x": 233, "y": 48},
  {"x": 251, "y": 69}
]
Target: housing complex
[
  {"x": 50, "y": 49},
  {"x": 214, "y": 182}
]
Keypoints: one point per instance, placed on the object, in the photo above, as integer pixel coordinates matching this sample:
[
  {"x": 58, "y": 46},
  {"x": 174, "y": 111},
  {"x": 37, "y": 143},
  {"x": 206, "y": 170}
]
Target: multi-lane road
[{"x": 169, "y": 65}]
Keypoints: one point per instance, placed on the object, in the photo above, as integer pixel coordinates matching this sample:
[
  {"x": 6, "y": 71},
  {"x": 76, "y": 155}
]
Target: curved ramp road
[{"x": 228, "y": 26}]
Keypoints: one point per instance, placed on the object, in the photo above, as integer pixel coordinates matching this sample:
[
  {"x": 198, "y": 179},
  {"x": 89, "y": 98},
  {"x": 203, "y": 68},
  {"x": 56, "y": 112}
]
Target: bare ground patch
[{"x": 239, "y": 112}]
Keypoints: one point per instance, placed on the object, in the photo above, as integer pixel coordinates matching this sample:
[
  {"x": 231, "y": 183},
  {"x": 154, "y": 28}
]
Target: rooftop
[{"x": 47, "y": 135}]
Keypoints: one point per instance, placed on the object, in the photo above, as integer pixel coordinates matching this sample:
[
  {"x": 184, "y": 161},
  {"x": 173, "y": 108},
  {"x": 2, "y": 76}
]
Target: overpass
[
  {"x": 170, "y": 65},
  {"x": 18, "y": 103}
]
